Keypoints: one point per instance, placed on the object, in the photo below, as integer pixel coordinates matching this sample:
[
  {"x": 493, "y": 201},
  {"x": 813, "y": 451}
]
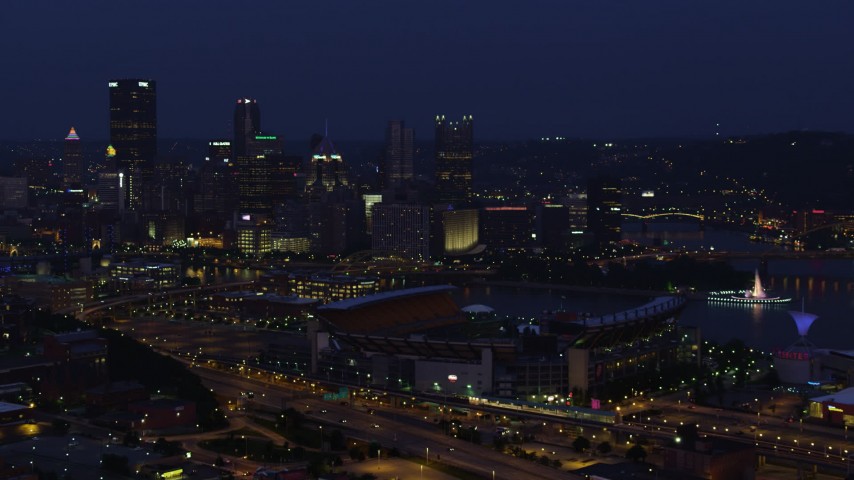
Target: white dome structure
[{"x": 478, "y": 309}]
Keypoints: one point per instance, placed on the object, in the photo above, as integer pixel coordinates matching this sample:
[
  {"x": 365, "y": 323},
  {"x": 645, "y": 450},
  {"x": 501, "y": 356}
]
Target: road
[{"x": 410, "y": 435}]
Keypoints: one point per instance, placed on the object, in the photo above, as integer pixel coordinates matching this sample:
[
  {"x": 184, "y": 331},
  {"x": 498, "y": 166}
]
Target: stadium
[{"x": 419, "y": 339}]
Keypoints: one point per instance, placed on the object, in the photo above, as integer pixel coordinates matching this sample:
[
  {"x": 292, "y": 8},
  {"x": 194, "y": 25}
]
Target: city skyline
[{"x": 601, "y": 71}]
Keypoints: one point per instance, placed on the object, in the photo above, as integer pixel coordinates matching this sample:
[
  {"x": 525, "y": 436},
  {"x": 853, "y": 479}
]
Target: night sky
[{"x": 605, "y": 69}]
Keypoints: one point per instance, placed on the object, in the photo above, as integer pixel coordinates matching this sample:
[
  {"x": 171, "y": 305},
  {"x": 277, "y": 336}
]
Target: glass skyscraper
[
  {"x": 454, "y": 151},
  {"x": 133, "y": 132}
]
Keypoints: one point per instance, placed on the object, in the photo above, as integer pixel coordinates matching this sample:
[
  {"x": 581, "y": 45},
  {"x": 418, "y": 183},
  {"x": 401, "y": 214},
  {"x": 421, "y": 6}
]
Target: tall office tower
[
  {"x": 604, "y": 209},
  {"x": 397, "y": 164},
  {"x": 216, "y": 194},
  {"x": 326, "y": 166},
  {"x": 133, "y": 132},
  {"x": 454, "y": 151},
  {"x": 72, "y": 160},
  {"x": 255, "y": 174},
  {"x": 400, "y": 230},
  {"x": 247, "y": 124}
]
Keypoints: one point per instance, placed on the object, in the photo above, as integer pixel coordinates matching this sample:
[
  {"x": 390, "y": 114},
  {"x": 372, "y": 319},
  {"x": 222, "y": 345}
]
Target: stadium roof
[
  {"x": 359, "y": 302},
  {"x": 657, "y": 305}
]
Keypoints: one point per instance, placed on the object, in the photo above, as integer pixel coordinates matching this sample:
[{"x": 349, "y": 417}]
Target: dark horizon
[
  {"x": 523, "y": 71},
  {"x": 482, "y": 141}
]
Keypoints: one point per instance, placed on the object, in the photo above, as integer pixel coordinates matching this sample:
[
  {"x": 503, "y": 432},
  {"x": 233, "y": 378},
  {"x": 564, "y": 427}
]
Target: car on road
[{"x": 343, "y": 420}]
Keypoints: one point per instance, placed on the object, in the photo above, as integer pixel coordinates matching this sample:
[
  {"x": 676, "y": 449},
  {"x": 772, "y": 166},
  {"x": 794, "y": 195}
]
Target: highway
[{"x": 409, "y": 434}]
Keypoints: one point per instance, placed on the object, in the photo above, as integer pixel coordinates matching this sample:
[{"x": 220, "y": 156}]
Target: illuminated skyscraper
[
  {"x": 454, "y": 151},
  {"x": 255, "y": 174},
  {"x": 72, "y": 160},
  {"x": 133, "y": 132},
  {"x": 400, "y": 230},
  {"x": 397, "y": 165},
  {"x": 326, "y": 166},
  {"x": 247, "y": 124}
]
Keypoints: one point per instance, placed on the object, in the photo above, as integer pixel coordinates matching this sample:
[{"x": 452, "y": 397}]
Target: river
[{"x": 823, "y": 287}]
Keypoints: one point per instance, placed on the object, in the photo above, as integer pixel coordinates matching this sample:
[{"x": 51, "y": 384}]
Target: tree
[
  {"x": 604, "y": 448},
  {"x": 115, "y": 463},
  {"x": 581, "y": 444},
  {"x": 337, "y": 440},
  {"x": 636, "y": 453}
]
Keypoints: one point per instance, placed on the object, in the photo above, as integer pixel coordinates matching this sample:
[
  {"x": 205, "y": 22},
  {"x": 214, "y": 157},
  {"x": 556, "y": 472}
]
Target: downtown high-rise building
[
  {"x": 72, "y": 160},
  {"x": 454, "y": 152},
  {"x": 133, "y": 132},
  {"x": 401, "y": 231},
  {"x": 326, "y": 167},
  {"x": 247, "y": 124},
  {"x": 604, "y": 209},
  {"x": 256, "y": 170},
  {"x": 397, "y": 162}
]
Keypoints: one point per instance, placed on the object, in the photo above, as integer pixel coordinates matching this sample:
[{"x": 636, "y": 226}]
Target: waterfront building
[
  {"x": 140, "y": 275},
  {"x": 133, "y": 133},
  {"x": 454, "y": 159}
]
